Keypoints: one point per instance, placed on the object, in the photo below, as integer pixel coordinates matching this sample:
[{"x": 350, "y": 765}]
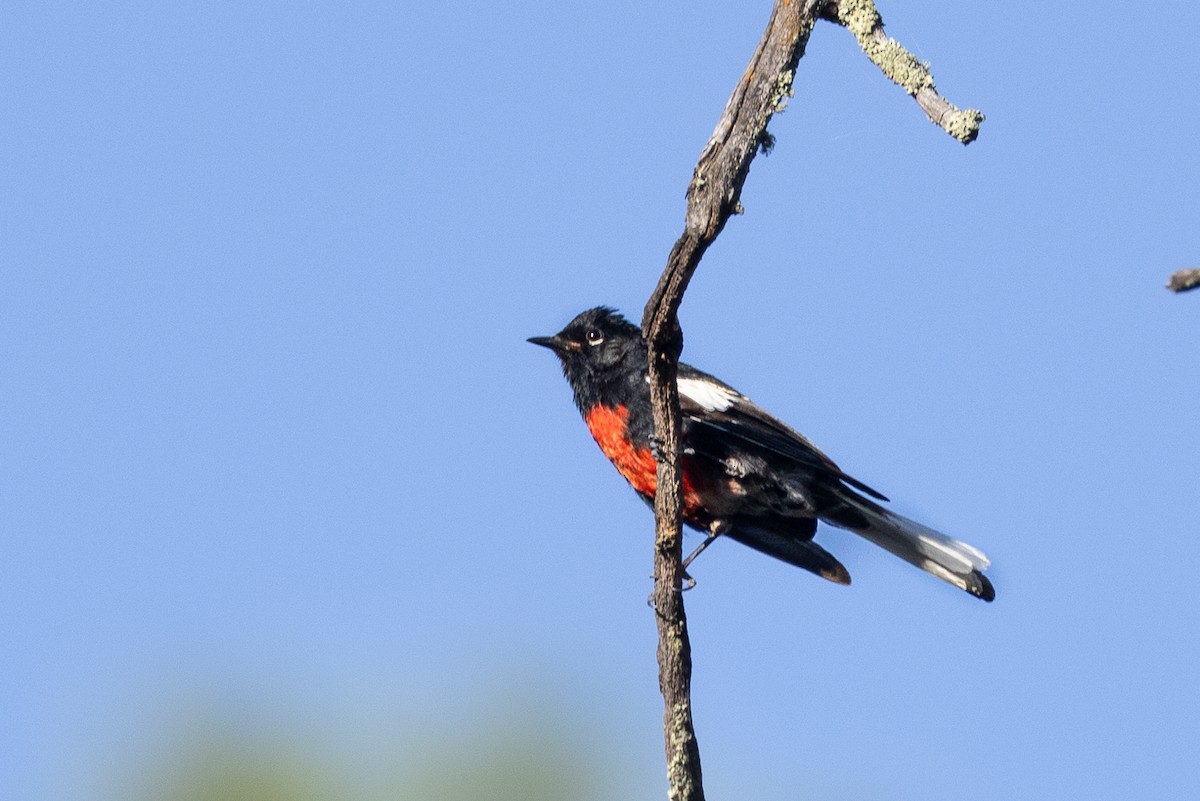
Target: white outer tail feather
[{"x": 949, "y": 559}]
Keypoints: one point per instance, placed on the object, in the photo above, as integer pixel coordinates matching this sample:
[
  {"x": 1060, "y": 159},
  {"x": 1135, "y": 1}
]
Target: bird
[{"x": 746, "y": 475}]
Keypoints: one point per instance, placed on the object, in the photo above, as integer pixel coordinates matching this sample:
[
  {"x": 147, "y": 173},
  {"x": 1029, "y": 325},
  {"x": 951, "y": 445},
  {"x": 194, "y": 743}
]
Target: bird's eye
[{"x": 594, "y": 336}]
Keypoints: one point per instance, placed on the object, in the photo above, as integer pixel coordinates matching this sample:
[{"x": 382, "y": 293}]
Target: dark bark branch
[
  {"x": 1184, "y": 280},
  {"x": 712, "y": 197}
]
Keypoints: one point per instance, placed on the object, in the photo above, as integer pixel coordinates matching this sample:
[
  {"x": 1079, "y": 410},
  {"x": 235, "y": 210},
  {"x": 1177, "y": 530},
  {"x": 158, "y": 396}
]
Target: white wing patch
[{"x": 709, "y": 396}]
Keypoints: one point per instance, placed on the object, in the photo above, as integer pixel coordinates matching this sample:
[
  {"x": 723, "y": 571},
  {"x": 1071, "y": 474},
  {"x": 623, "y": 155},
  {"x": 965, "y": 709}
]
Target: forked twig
[{"x": 712, "y": 197}]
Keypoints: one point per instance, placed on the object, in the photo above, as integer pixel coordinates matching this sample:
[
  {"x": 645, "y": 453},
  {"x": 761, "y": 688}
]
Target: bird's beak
[{"x": 555, "y": 343}]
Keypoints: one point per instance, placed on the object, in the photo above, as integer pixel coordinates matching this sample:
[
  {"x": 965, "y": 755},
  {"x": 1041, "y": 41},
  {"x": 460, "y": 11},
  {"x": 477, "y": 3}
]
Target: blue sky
[{"x": 276, "y": 451}]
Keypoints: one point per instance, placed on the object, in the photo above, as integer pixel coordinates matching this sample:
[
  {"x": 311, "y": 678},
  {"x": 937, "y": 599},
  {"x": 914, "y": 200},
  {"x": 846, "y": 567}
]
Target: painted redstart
[{"x": 746, "y": 475}]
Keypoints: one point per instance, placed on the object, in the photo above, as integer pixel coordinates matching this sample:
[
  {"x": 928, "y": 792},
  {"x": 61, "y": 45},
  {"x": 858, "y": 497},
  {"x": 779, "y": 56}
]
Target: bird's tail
[{"x": 949, "y": 559}]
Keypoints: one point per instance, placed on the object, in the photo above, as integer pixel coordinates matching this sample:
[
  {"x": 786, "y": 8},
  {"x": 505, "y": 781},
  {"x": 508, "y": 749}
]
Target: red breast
[{"x": 609, "y": 426}]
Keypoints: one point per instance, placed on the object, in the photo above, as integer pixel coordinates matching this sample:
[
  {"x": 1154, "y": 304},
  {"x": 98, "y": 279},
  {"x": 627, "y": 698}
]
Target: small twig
[
  {"x": 862, "y": 19},
  {"x": 1184, "y": 280}
]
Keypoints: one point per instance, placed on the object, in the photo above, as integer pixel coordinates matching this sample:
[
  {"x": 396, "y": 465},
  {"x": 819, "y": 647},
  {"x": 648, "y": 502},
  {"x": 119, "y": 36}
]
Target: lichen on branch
[
  {"x": 713, "y": 195},
  {"x": 861, "y": 18}
]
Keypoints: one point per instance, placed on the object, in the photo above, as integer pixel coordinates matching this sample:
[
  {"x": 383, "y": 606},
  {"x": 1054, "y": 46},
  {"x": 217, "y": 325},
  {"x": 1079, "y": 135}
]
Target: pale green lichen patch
[
  {"x": 902, "y": 67},
  {"x": 783, "y": 90},
  {"x": 679, "y": 768},
  {"x": 963, "y": 125},
  {"x": 862, "y": 19}
]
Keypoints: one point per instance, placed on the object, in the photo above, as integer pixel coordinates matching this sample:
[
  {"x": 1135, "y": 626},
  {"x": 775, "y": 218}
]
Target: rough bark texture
[
  {"x": 712, "y": 197},
  {"x": 1184, "y": 280}
]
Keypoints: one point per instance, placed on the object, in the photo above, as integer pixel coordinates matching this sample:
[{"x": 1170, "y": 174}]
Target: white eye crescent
[{"x": 594, "y": 336}]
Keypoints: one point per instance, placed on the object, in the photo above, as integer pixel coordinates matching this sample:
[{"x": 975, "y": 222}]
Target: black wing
[{"x": 710, "y": 406}]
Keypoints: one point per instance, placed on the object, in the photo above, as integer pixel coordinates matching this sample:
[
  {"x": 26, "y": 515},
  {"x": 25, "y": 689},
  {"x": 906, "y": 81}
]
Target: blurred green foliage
[{"x": 528, "y": 757}]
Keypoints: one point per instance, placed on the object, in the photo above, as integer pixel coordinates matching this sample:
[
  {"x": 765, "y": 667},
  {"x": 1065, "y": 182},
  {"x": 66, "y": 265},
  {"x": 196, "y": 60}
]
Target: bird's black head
[{"x": 602, "y": 353}]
